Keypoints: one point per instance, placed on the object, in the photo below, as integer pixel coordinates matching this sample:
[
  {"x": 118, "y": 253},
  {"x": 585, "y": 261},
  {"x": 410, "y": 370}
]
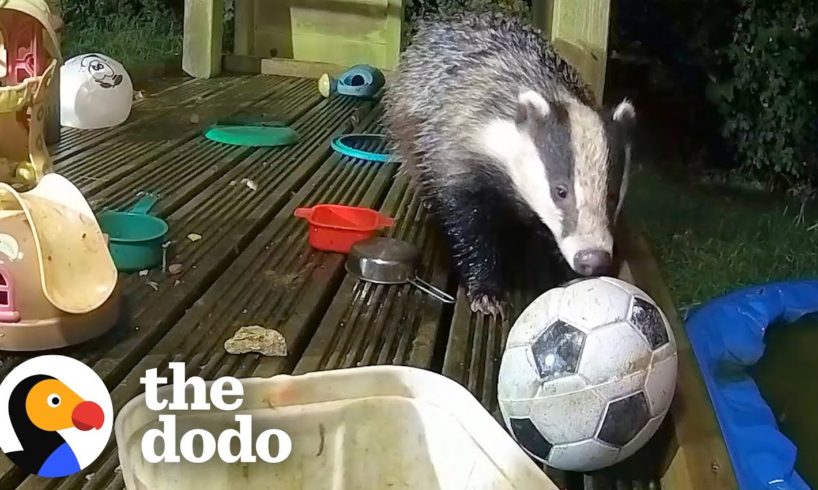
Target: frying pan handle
[
  {"x": 385, "y": 221},
  {"x": 144, "y": 205},
  {"x": 431, "y": 290},
  {"x": 305, "y": 213}
]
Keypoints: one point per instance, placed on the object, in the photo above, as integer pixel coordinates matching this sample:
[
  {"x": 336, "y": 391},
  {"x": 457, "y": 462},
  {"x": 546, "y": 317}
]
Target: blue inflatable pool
[{"x": 726, "y": 333}]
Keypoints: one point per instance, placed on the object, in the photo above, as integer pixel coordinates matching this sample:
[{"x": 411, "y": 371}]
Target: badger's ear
[
  {"x": 624, "y": 113},
  {"x": 531, "y": 107}
]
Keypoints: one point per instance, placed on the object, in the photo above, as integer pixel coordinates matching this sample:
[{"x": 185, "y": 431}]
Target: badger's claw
[{"x": 488, "y": 304}]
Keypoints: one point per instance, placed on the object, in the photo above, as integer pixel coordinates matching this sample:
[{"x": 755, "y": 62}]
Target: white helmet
[{"x": 95, "y": 92}]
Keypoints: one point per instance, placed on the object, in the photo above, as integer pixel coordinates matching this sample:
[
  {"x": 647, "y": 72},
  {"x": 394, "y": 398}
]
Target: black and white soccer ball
[{"x": 588, "y": 374}]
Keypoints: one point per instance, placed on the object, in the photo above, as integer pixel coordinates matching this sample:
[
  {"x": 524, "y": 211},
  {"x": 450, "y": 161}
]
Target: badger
[{"x": 489, "y": 122}]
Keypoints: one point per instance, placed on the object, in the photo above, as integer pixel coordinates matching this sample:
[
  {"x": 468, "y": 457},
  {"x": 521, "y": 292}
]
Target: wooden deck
[{"x": 253, "y": 265}]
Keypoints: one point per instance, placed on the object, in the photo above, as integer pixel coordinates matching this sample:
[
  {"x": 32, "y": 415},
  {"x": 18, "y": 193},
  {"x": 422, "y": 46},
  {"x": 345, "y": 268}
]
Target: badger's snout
[{"x": 592, "y": 262}]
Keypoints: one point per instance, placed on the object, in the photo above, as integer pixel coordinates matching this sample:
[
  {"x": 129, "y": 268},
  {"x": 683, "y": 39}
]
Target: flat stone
[{"x": 254, "y": 338}]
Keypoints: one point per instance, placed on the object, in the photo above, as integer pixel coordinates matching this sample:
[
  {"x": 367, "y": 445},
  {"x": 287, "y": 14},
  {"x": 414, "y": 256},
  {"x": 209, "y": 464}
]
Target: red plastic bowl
[{"x": 335, "y": 228}]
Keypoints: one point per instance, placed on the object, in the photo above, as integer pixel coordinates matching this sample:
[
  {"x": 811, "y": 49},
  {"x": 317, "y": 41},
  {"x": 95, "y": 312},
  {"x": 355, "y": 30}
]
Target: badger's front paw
[{"x": 488, "y": 303}]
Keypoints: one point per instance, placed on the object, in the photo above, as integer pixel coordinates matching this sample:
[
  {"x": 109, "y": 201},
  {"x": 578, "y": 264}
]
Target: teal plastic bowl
[{"x": 135, "y": 238}]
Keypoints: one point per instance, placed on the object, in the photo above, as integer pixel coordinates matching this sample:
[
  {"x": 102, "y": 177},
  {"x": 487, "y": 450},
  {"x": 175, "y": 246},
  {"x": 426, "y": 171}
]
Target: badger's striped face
[{"x": 570, "y": 165}]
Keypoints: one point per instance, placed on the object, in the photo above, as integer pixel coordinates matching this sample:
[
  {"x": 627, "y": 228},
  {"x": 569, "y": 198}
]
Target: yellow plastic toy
[
  {"x": 58, "y": 282},
  {"x": 29, "y": 55},
  {"x": 57, "y": 278}
]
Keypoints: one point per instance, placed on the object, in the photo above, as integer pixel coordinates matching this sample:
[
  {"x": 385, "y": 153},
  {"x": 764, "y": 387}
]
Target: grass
[
  {"x": 129, "y": 40},
  {"x": 713, "y": 240}
]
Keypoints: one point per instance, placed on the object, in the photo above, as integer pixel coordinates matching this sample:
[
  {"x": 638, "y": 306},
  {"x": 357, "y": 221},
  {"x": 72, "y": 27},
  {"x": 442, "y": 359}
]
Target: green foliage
[
  {"x": 84, "y": 12},
  {"x": 130, "y": 31},
  {"x": 763, "y": 81}
]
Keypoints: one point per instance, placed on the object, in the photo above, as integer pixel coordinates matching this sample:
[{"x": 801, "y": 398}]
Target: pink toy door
[
  {"x": 7, "y": 311},
  {"x": 23, "y": 37}
]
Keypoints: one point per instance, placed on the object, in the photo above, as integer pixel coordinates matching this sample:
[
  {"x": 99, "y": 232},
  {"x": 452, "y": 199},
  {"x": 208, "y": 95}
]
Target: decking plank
[
  {"x": 155, "y": 85},
  {"x": 476, "y": 342},
  {"x": 253, "y": 264},
  {"x": 369, "y": 324},
  {"x": 152, "y": 108},
  {"x": 174, "y": 200},
  {"x": 230, "y": 212},
  {"x": 228, "y": 217},
  {"x": 181, "y": 173},
  {"x": 158, "y": 146},
  {"x": 82, "y": 146},
  {"x": 74, "y": 141},
  {"x": 278, "y": 282}
]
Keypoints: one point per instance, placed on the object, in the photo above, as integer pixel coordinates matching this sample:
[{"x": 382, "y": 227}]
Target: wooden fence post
[
  {"x": 578, "y": 30},
  {"x": 202, "y": 45}
]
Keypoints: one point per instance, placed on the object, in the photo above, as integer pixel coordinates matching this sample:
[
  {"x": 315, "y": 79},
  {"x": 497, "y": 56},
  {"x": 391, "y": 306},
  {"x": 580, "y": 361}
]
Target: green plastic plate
[{"x": 253, "y": 135}]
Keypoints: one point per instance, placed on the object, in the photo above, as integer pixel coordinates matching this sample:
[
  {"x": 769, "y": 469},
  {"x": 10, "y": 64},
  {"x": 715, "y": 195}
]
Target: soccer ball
[{"x": 588, "y": 374}]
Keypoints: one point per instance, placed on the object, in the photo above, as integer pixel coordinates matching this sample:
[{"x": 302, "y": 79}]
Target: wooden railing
[{"x": 579, "y": 32}]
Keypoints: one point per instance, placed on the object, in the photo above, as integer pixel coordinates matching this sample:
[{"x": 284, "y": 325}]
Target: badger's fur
[{"x": 486, "y": 117}]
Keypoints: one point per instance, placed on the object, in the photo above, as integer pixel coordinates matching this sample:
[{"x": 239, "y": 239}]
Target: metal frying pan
[{"x": 382, "y": 260}]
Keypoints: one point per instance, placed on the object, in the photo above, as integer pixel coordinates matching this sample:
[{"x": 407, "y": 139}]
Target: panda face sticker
[{"x": 101, "y": 71}]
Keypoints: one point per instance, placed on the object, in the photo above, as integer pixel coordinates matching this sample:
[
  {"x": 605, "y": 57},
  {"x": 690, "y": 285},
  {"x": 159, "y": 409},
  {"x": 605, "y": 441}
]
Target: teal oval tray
[{"x": 253, "y": 135}]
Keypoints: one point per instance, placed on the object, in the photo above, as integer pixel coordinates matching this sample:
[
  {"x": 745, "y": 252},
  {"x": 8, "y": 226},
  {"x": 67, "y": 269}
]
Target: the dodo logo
[{"x": 55, "y": 416}]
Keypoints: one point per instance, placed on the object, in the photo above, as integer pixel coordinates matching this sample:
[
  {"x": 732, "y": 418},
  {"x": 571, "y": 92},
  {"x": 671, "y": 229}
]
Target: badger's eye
[
  {"x": 561, "y": 191},
  {"x": 53, "y": 400},
  {"x": 614, "y": 198}
]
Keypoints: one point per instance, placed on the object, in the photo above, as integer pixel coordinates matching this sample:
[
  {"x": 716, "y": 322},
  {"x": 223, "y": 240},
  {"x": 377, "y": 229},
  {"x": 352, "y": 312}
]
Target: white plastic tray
[{"x": 377, "y": 427}]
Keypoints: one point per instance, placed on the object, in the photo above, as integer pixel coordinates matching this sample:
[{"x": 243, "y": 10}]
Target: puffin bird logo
[{"x": 39, "y": 407}]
